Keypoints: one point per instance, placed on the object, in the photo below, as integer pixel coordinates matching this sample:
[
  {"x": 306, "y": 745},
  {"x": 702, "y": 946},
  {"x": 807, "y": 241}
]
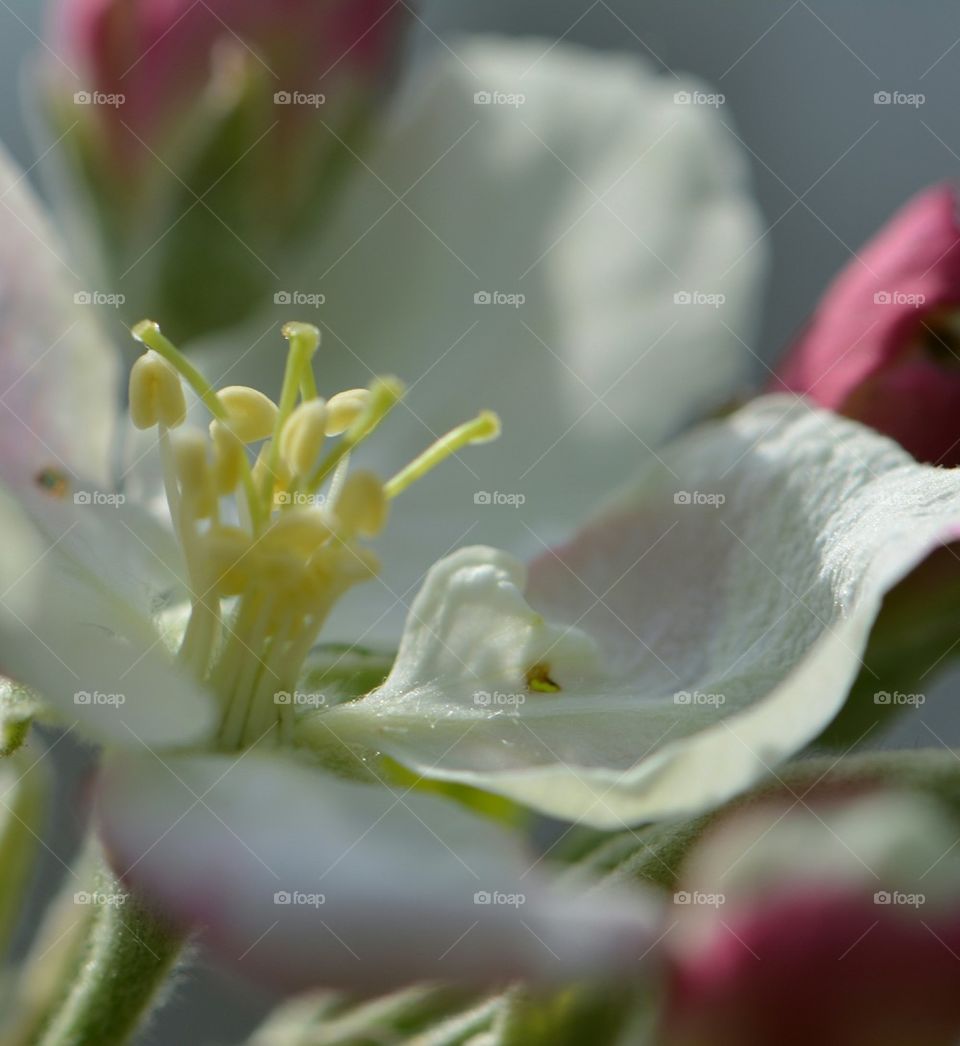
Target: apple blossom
[
  {"x": 183, "y": 642},
  {"x": 585, "y": 693}
]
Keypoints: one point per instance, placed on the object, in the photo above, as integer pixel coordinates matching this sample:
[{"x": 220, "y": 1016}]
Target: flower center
[{"x": 271, "y": 537}]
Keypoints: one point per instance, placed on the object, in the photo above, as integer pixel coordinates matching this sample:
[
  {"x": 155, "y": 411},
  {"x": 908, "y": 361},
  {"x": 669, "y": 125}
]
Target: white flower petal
[
  {"x": 58, "y": 371},
  {"x": 82, "y": 588},
  {"x": 306, "y": 880},
  {"x": 598, "y": 198},
  {"x": 725, "y": 636}
]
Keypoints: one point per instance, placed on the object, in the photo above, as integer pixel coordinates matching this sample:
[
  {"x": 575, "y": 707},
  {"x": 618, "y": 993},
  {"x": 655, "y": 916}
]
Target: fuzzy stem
[{"x": 122, "y": 967}]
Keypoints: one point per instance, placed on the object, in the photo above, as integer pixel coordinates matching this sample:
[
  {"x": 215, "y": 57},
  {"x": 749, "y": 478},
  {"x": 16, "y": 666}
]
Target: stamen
[
  {"x": 383, "y": 396},
  {"x": 231, "y": 559},
  {"x": 252, "y": 415},
  {"x": 228, "y": 457},
  {"x": 304, "y": 340},
  {"x": 284, "y": 569},
  {"x": 482, "y": 429},
  {"x": 361, "y": 507},
  {"x": 344, "y": 408},
  {"x": 303, "y": 437},
  {"x": 156, "y": 393},
  {"x": 190, "y": 451},
  {"x": 300, "y": 531},
  {"x": 148, "y": 332}
]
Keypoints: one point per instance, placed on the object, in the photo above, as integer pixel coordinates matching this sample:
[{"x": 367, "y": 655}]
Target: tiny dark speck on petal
[
  {"x": 538, "y": 680},
  {"x": 53, "y": 482}
]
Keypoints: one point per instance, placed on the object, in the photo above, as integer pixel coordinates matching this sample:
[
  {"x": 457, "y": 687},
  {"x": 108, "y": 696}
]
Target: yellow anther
[
  {"x": 252, "y": 415},
  {"x": 302, "y": 438},
  {"x": 231, "y": 558},
  {"x": 361, "y": 506},
  {"x": 344, "y": 408},
  {"x": 383, "y": 396},
  {"x": 300, "y": 532},
  {"x": 156, "y": 393},
  {"x": 148, "y": 333},
  {"x": 194, "y": 473},
  {"x": 228, "y": 454},
  {"x": 483, "y": 428}
]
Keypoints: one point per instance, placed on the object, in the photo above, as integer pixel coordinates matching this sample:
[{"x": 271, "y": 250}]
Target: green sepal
[
  {"x": 120, "y": 971},
  {"x": 18, "y": 708},
  {"x": 341, "y": 672}
]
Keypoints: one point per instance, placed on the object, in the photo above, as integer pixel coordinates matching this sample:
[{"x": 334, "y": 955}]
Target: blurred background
[{"x": 829, "y": 166}]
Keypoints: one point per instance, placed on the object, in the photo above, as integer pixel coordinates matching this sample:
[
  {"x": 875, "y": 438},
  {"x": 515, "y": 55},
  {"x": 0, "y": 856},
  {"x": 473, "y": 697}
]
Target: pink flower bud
[
  {"x": 156, "y": 55},
  {"x": 883, "y": 346},
  {"x": 210, "y": 136},
  {"x": 819, "y": 967},
  {"x": 836, "y": 923}
]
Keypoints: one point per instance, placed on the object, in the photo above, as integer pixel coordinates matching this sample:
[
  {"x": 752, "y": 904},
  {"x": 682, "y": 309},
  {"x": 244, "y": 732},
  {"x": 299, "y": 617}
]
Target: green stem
[{"x": 120, "y": 971}]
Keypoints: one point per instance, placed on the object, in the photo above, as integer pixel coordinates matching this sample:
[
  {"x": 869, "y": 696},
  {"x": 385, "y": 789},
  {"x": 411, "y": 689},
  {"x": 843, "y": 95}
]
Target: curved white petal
[
  {"x": 597, "y": 198},
  {"x": 727, "y": 599},
  {"x": 82, "y": 589},
  {"x": 306, "y": 880},
  {"x": 58, "y": 370}
]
